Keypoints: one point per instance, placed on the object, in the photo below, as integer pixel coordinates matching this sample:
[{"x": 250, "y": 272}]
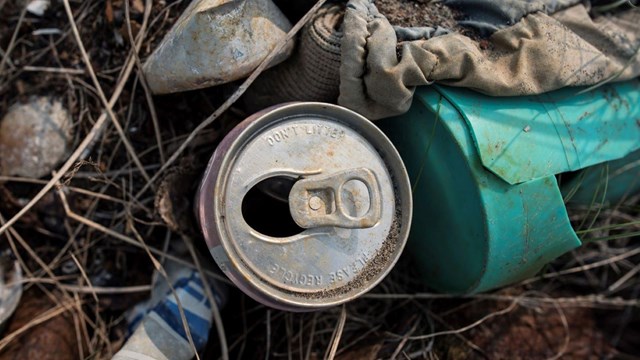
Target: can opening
[{"x": 265, "y": 207}]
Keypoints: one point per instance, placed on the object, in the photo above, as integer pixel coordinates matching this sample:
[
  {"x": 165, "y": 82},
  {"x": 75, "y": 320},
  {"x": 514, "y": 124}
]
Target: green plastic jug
[{"x": 488, "y": 210}]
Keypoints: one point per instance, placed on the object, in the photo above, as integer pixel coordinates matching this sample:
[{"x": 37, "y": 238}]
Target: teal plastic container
[
  {"x": 488, "y": 210},
  {"x": 605, "y": 184}
]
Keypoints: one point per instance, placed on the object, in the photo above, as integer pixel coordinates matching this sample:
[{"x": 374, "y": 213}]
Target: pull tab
[{"x": 317, "y": 201}]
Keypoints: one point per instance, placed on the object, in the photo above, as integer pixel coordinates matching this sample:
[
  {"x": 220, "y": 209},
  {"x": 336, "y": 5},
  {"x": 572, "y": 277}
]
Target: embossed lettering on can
[{"x": 305, "y": 206}]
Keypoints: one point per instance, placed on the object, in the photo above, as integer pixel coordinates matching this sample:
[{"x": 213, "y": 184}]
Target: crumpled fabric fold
[
  {"x": 540, "y": 53},
  {"x": 489, "y": 16}
]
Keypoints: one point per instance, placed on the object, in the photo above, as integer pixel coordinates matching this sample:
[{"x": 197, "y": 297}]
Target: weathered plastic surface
[
  {"x": 607, "y": 183},
  {"x": 532, "y": 137},
  {"x": 10, "y": 292},
  {"x": 157, "y": 327},
  {"x": 214, "y": 42},
  {"x": 472, "y": 231},
  {"x": 487, "y": 205}
]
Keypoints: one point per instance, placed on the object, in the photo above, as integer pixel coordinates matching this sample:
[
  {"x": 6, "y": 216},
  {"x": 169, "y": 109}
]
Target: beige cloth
[{"x": 538, "y": 54}]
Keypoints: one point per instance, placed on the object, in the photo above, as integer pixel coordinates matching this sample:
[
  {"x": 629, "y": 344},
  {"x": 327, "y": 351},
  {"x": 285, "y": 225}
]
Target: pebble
[{"x": 34, "y": 138}]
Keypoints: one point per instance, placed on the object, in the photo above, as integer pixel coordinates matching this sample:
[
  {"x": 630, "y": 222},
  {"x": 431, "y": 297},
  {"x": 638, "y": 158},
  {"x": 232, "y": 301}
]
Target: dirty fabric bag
[
  {"x": 312, "y": 73},
  {"x": 488, "y": 16},
  {"x": 540, "y": 53}
]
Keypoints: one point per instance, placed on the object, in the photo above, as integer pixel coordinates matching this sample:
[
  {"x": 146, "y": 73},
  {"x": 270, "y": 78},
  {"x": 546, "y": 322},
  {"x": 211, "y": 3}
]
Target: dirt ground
[
  {"x": 97, "y": 223},
  {"x": 417, "y": 13}
]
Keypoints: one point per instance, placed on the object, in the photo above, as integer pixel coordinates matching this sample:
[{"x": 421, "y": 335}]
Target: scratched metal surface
[
  {"x": 525, "y": 138},
  {"x": 333, "y": 259}
]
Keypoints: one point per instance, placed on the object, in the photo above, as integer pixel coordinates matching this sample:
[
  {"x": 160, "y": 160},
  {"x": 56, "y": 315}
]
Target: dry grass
[{"x": 89, "y": 238}]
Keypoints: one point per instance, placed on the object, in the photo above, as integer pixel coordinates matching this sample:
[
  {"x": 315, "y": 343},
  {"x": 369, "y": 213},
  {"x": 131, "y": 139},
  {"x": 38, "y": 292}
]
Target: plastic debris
[
  {"x": 10, "y": 292},
  {"x": 158, "y": 329},
  {"x": 214, "y": 42},
  {"x": 34, "y": 138},
  {"x": 514, "y": 219},
  {"x": 606, "y": 183},
  {"x": 38, "y": 7}
]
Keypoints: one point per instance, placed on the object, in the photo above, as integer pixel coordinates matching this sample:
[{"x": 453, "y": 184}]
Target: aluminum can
[{"x": 305, "y": 206}]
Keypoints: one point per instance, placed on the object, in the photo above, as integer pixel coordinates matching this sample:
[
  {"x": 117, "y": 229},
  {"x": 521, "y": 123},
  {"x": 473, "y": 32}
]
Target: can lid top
[
  {"x": 340, "y": 230},
  {"x": 340, "y": 194}
]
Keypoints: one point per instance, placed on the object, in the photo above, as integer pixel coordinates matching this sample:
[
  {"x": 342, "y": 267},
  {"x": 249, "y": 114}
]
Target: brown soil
[
  {"x": 51, "y": 339},
  {"x": 539, "y": 333},
  {"x": 412, "y": 13}
]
